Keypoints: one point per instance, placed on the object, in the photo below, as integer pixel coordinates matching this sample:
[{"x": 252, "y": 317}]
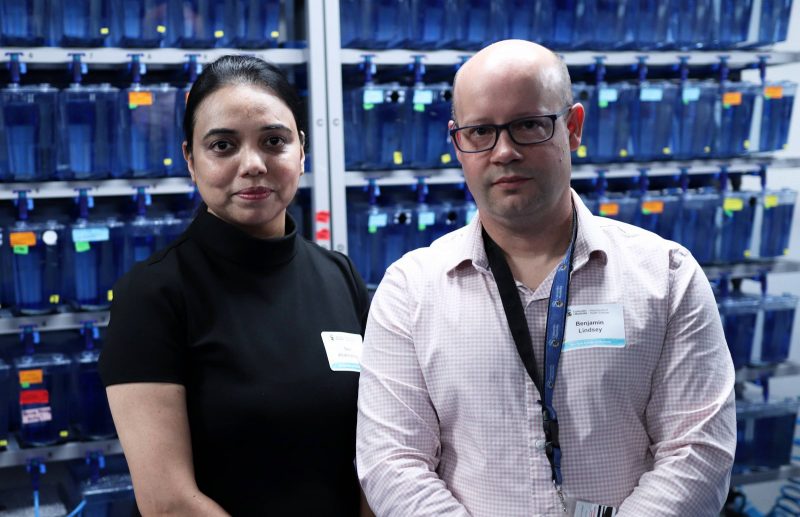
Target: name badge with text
[
  {"x": 594, "y": 326},
  {"x": 343, "y": 350}
]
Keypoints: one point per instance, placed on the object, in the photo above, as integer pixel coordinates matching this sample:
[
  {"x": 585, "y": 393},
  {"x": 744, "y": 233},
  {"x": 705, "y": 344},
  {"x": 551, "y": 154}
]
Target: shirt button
[{"x": 539, "y": 444}]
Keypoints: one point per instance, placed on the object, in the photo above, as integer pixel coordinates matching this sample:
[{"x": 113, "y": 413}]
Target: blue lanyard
[{"x": 554, "y": 337}]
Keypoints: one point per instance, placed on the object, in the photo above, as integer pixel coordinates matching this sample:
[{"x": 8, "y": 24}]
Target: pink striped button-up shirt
[{"x": 449, "y": 422}]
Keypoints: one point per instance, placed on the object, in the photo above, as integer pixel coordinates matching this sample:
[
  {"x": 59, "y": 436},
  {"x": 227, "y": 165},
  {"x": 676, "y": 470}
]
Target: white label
[
  {"x": 691, "y": 94},
  {"x": 423, "y": 96},
  {"x": 594, "y": 326},
  {"x": 36, "y": 415},
  {"x": 607, "y": 95},
  {"x": 651, "y": 94},
  {"x": 583, "y": 509},
  {"x": 373, "y": 96},
  {"x": 344, "y": 350},
  {"x": 50, "y": 237},
  {"x": 378, "y": 220},
  {"x": 427, "y": 218},
  {"x": 97, "y": 234}
]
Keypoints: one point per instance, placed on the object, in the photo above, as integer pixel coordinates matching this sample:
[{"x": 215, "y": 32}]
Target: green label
[
  {"x": 20, "y": 250},
  {"x": 82, "y": 246}
]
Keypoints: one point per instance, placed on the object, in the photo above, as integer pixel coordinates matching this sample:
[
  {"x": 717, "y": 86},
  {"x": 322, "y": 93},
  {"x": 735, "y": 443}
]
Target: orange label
[
  {"x": 609, "y": 209},
  {"x": 30, "y": 377},
  {"x": 652, "y": 207},
  {"x": 27, "y": 397},
  {"x": 732, "y": 98},
  {"x": 22, "y": 239},
  {"x": 140, "y": 98},
  {"x": 773, "y": 92}
]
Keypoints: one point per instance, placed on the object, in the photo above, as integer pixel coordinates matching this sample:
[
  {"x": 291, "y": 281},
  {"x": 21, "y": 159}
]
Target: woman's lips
[{"x": 254, "y": 193}]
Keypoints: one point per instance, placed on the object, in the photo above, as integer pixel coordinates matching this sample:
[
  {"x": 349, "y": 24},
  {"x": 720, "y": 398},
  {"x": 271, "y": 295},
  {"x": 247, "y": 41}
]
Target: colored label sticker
[
  {"x": 323, "y": 216},
  {"x": 167, "y": 162},
  {"x": 93, "y": 234},
  {"x": 110, "y": 295},
  {"x": 419, "y": 107},
  {"x": 397, "y": 157},
  {"x": 63, "y": 433},
  {"x": 219, "y": 34},
  {"x": 581, "y": 151},
  {"x": 372, "y": 97},
  {"x": 731, "y": 99},
  {"x": 652, "y": 207},
  {"x": 773, "y": 92},
  {"x": 82, "y": 247},
  {"x": 3, "y": 443},
  {"x": 104, "y": 31},
  {"x": 423, "y": 96},
  {"x": 161, "y": 29},
  {"x": 31, "y": 376},
  {"x": 690, "y": 94},
  {"x": 140, "y": 98},
  {"x": 376, "y": 221},
  {"x": 607, "y": 95},
  {"x": 446, "y": 158},
  {"x": 55, "y": 299},
  {"x": 666, "y": 151},
  {"x": 323, "y": 234},
  {"x": 30, "y": 397},
  {"x": 623, "y": 153},
  {"x": 733, "y": 204},
  {"x": 22, "y": 239},
  {"x": 770, "y": 201},
  {"x": 36, "y": 415},
  {"x": 607, "y": 209},
  {"x": 20, "y": 250},
  {"x": 650, "y": 94},
  {"x": 274, "y": 34},
  {"x": 425, "y": 219}
]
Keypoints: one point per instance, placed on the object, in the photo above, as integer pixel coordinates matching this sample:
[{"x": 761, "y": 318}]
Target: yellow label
[
  {"x": 609, "y": 209},
  {"x": 786, "y": 251},
  {"x": 666, "y": 150},
  {"x": 446, "y": 158},
  {"x": 219, "y": 34},
  {"x": 167, "y": 161},
  {"x": 746, "y": 144},
  {"x": 707, "y": 149},
  {"x": 3, "y": 443},
  {"x": 732, "y": 98},
  {"x": 110, "y": 295},
  {"x": 63, "y": 433},
  {"x": 733, "y": 204},
  {"x": 623, "y": 153},
  {"x": 55, "y": 298},
  {"x": 104, "y": 31},
  {"x": 161, "y": 29},
  {"x": 397, "y": 157},
  {"x": 140, "y": 98},
  {"x": 653, "y": 207},
  {"x": 747, "y": 253},
  {"x": 582, "y": 151},
  {"x": 770, "y": 201},
  {"x": 22, "y": 239},
  {"x": 274, "y": 34},
  {"x": 773, "y": 92},
  {"x": 31, "y": 376}
]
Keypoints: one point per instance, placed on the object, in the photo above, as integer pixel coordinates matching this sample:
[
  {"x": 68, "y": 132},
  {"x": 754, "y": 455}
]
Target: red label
[
  {"x": 323, "y": 216},
  {"x": 29, "y": 397},
  {"x": 323, "y": 235}
]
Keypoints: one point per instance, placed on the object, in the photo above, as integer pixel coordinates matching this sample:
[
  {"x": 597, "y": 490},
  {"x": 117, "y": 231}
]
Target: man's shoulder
[{"x": 636, "y": 242}]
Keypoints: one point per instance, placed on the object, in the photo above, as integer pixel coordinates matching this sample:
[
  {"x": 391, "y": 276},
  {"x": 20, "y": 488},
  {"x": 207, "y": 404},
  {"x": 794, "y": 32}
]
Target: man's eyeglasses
[{"x": 524, "y": 131}]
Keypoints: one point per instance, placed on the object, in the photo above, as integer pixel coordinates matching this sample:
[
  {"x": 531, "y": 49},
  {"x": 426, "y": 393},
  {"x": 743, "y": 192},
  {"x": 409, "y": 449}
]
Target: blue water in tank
[
  {"x": 477, "y": 23},
  {"x": 375, "y": 24},
  {"x": 778, "y": 325},
  {"x": 777, "y": 101},
  {"x": 733, "y": 23},
  {"x": 648, "y": 24},
  {"x": 429, "y": 23},
  {"x": 739, "y": 313},
  {"x": 608, "y": 130},
  {"x": 94, "y": 420},
  {"x": 6, "y": 382},
  {"x": 429, "y": 144},
  {"x": 695, "y": 124},
  {"x": 96, "y": 251},
  {"x": 37, "y": 257},
  {"x": 25, "y": 23},
  {"x": 653, "y": 119},
  {"x": 201, "y": 23},
  {"x": 776, "y": 224},
  {"x": 773, "y": 21},
  {"x": 692, "y": 23},
  {"x": 764, "y": 433},
  {"x": 149, "y": 131},
  {"x": 734, "y": 117},
  {"x": 89, "y": 126},
  {"x": 697, "y": 226},
  {"x": 380, "y": 112},
  {"x": 366, "y": 226},
  {"x": 435, "y": 220},
  {"x": 561, "y": 22},
  {"x": 256, "y": 24},
  {"x": 618, "y": 206},
  {"x": 141, "y": 23},
  {"x": 82, "y": 24},
  {"x": 658, "y": 212},
  {"x": 604, "y": 24},
  {"x": 109, "y": 496},
  {"x": 736, "y": 226},
  {"x": 43, "y": 398},
  {"x": 30, "y": 121}
]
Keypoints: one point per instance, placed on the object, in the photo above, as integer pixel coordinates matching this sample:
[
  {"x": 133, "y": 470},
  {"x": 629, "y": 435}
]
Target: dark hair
[{"x": 232, "y": 70}]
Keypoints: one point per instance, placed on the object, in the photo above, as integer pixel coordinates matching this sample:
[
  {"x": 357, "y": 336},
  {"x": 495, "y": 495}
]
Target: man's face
[{"x": 512, "y": 180}]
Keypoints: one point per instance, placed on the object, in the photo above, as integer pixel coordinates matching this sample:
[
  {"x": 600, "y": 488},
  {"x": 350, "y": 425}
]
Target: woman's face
[{"x": 247, "y": 157}]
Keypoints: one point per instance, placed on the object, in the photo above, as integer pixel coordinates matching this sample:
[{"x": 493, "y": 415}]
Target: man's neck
[{"x": 533, "y": 249}]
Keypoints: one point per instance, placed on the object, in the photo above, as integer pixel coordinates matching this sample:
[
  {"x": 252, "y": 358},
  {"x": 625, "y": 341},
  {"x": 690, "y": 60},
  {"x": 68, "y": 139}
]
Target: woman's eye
[
  {"x": 221, "y": 146},
  {"x": 275, "y": 141}
]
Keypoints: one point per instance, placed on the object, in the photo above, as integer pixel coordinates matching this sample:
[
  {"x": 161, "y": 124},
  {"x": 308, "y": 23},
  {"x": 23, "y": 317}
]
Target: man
[{"x": 496, "y": 383}]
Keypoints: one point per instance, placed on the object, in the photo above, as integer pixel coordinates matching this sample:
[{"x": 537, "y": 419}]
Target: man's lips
[
  {"x": 510, "y": 181},
  {"x": 253, "y": 193}
]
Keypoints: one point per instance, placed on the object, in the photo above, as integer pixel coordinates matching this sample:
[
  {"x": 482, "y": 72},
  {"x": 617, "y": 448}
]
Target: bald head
[{"x": 517, "y": 59}]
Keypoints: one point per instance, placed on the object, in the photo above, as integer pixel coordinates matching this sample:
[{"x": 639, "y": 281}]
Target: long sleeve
[
  {"x": 397, "y": 440},
  {"x": 692, "y": 423}
]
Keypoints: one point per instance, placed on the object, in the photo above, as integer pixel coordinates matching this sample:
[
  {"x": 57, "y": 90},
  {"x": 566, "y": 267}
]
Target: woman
[{"x": 228, "y": 389}]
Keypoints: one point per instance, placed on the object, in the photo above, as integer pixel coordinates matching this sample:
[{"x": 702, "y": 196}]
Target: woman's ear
[{"x": 187, "y": 155}]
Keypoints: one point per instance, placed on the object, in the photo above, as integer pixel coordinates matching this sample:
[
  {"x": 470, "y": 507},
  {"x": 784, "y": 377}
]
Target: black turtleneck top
[{"x": 237, "y": 321}]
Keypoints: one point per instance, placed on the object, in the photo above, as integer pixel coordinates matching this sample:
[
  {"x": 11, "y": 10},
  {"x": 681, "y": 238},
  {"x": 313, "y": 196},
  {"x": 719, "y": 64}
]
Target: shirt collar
[{"x": 591, "y": 242}]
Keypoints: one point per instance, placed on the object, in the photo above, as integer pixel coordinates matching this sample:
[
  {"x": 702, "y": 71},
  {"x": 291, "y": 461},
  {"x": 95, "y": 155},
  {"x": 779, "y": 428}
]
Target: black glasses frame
[{"x": 500, "y": 127}]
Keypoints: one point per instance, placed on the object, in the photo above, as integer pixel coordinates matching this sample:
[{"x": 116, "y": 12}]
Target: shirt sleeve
[
  {"x": 397, "y": 438},
  {"x": 145, "y": 338},
  {"x": 691, "y": 416}
]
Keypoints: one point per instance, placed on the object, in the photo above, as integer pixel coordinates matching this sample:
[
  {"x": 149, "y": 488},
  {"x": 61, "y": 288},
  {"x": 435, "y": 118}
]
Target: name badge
[
  {"x": 594, "y": 326},
  {"x": 343, "y": 350},
  {"x": 594, "y": 510}
]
